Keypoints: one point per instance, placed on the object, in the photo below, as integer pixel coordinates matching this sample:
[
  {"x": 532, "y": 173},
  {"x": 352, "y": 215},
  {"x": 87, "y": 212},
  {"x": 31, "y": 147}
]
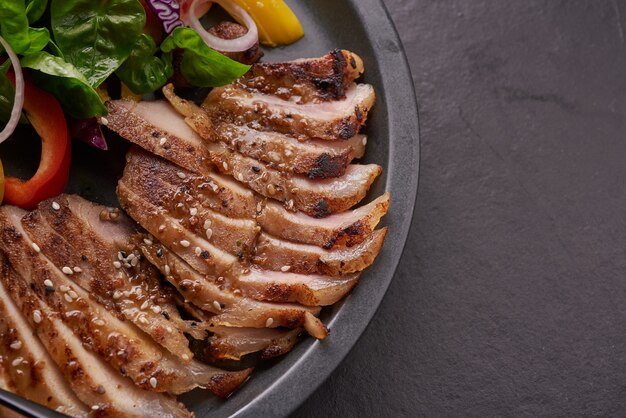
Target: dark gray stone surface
[{"x": 511, "y": 296}]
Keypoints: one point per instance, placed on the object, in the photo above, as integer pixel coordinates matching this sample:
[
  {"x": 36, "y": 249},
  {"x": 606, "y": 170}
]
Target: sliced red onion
[
  {"x": 18, "y": 101},
  {"x": 168, "y": 11},
  {"x": 89, "y": 131},
  {"x": 243, "y": 43}
]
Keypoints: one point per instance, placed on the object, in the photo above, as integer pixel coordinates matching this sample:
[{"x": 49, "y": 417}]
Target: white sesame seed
[
  {"x": 64, "y": 288},
  {"x": 269, "y": 322},
  {"x": 56, "y": 206},
  {"x": 95, "y": 407},
  {"x": 193, "y": 211},
  {"x": 48, "y": 283},
  {"x": 185, "y": 243},
  {"x": 185, "y": 357},
  {"x": 162, "y": 141},
  {"x": 36, "y": 248},
  {"x": 117, "y": 294},
  {"x": 239, "y": 176},
  {"x": 67, "y": 297},
  {"x": 37, "y": 316},
  {"x": 19, "y": 372},
  {"x": 77, "y": 269},
  {"x": 271, "y": 189},
  {"x": 207, "y": 224},
  {"x": 167, "y": 270},
  {"x": 198, "y": 251},
  {"x": 147, "y": 241},
  {"x": 364, "y": 142},
  {"x": 131, "y": 257},
  {"x": 120, "y": 255},
  {"x": 161, "y": 228},
  {"x": 144, "y": 305},
  {"x": 209, "y": 233},
  {"x": 17, "y": 361},
  {"x": 98, "y": 322},
  {"x": 143, "y": 319},
  {"x": 285, "y": 268},
  {"x": 290, "y": 204},
  {"x": 181, "y": 174},
  {"x": 104, "y": 121},
  {"x": 16, "y": 345},
  {"x": 117, "y": 264},
  {"x": 217, "y": 305},
  {"x": 156, "y": 309},
  {"x": 225, "y": 165},
  {"x": 67, "y": 270},
  {"x": 153, "y": 382},
  {"x": 134, "y": 262},
  {"x": 169, "y": 329}
]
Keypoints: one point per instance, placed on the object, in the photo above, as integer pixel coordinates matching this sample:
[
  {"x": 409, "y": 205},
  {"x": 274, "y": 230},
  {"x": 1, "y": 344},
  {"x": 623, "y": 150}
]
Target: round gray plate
[{"x": 362, "y": 26}]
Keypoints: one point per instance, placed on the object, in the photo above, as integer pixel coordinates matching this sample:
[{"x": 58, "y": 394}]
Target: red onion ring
[
  {"x": 242, "y": 43},
  {"x": 18, "y": 101}
]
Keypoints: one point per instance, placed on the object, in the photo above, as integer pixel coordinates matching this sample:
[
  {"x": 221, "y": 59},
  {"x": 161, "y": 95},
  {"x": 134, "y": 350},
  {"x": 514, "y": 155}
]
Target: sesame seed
[
  {"x": 117, "y": 294},
  {"x": 290, "y": 204},
  {"x": 271, "y": 189},
  {"x": 67, "y": 270},
  {"x": 185, "y": 357},
  {"x": 37, "y": 316},
  {"x": 19, "y": 372},
  {"x": 98, "y": 322},
  {"x": 67, "y": 297},
  {"x": 239, "y": 176},
  {"x": 274, "y": 156},
  {"x": 153, "y": 382},
  {"x": 17, "y": 361},
  {"x": 95, "y": 407},
  {"x": 64, "y": 288},
  {"x": 209, "y": 233},
  {"x": 117, "y": 264},
  {"x": 77, "y": 269},
  {"x": 120, "y": 255},
  {"x": 16, "y": 345},
  {"x": 156, "y": 309},
  {"x": 193, "y": 211},
  {"x": 104, "y": 121},
  {"x": 144, "y": 305},
  {"x": 56, "y": 206},
  {"x": 131, "y": 257},
  {"x": 147, "y": 241},
  {"x": 364, "y": 142},
  {"x": 185, "y": 243},
  {"x": 161, "y": 228},
  {"x": 198, "y": 251},
  {"x": 162, "y": 141},
  {"x": 48, "y": 283},
  {"x": 225, "y": 165},
  {"x": 181, "y": 175},
  {"x": 72, "y": 294},
  {"x": 259, "y": 207},
  {"x": 36, "y": 248},
  {"x": 207, "y": 224},
  {"x": 167, "y": 270},
  {"x": 269, "y": 322},
  {"x": 217, "y": 305},
  {"x": 285, "y": 268},
  {"x": 134, "y": 262},
  {"x": 143, "y": 319}
]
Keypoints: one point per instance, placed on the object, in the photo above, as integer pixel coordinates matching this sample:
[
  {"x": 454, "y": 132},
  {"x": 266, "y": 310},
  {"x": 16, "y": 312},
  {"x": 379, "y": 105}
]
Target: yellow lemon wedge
[{"x": 277, "y": 24}]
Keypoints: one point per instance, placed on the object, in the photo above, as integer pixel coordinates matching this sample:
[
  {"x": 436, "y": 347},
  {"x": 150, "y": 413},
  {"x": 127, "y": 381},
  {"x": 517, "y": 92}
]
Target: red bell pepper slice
[{"x": 46, "y": 116}]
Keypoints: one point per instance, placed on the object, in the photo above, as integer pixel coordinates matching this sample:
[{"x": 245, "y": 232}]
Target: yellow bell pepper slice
[
  {"x": 1, "y": 183},
  {"x": 277, "y": 24}
]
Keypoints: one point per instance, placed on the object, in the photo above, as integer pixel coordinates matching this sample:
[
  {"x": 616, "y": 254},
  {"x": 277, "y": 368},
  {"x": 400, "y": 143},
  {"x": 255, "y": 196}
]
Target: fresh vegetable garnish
[
  {"x": 88, "y": 131},
  {"x": 143, "y": 72},
  {"x": 277, "y": 24},
  {"x": 46, "y": 116}
]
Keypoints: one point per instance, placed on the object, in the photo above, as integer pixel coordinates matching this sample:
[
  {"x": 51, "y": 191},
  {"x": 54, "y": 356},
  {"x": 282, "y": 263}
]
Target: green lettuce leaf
[
  {"x": 201, "y": 65},
  {"x": 35, "y": 9},
  {"x": 67, "y": 84},
  {"x": 96, "y": 36},
  {"x": 143, "y": 72},
  {"x": 14, "y": 25}
]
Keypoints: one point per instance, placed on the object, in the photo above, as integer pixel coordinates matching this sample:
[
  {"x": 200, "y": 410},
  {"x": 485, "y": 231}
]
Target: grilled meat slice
[
  {"x": 28, "y": 366},
  {"x": 6, "y": 384},
  {"x": 234, "y": 343},
  {"x": 306, "y": 80},
  {"x": 144, "y": 123},
  {"x": 231, "y": 308},
  {"x": 312, "y": 158},
  {"x": 332, "y": 120},
  {"x": 338, "y": 230},
  {"x": 79, "y": 240},
  {"x": 276, "y": 254},
  {"x": 118, "y": 342},
  {"x": 96, "y": 384}
]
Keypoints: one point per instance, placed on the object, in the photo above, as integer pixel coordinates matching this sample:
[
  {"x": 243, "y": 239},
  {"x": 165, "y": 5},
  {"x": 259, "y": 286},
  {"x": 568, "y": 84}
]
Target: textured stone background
[{"x": 511, "y": 296}]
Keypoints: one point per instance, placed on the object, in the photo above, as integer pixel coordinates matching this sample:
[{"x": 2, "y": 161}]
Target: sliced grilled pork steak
[
  {"x": 330, "y": 120},
  {"x": 28, "y": 365},
  {"x": 119, "y": 343},
  {"x": 306, "y": 80},
  {"x": 233, "y": 343},
  {"x": 313, "y": 158},
  {"x": 106, "y": 391},
  {"x": 145, "y": 123}
]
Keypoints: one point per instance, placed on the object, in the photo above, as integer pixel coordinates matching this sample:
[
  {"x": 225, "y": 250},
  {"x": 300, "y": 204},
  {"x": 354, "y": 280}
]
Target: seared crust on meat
[{"x": 312, "y": 79}]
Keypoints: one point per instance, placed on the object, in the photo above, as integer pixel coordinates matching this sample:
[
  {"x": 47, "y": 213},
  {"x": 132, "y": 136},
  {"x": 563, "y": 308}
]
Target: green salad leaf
[
  {"x": 14, "y": 25},
  {"x": 201, "y": 65},
  {"x": 96, "y": 36},
  {"x": 39, "y": 38},
  {"x": 143, "y": 72},
  {"x": 35, "y": 9},
  {"x": 67, "y": 84}
]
